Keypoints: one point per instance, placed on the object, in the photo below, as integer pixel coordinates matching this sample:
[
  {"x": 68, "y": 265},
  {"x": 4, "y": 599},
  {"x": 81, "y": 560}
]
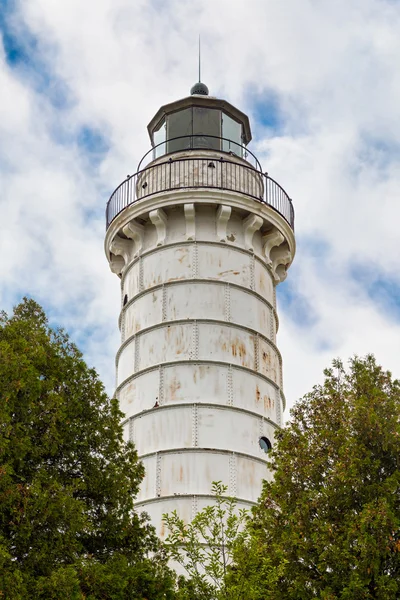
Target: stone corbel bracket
[
  {"x": 120, "y": 248},
  {"x": 135, "y": 232},
  {"x": 117, "y": 264},
  {"x": 270, "y": 240},
  {"x": 190, "y": 221},
  {"x": 281, "y": 258},
  {"x": 251, "y": 224},
  {"x": 159, "y": 220},
  {"x": 223, "y": 216},
  {"x": 276, "y": 253}
]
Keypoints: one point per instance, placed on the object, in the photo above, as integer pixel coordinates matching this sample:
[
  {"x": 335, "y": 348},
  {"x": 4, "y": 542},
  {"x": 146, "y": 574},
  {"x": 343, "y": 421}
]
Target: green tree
[
  {"x": 205, "y": 548},
  {"x": 68, "y": 528},
  {"x": 329, "y": 523}
]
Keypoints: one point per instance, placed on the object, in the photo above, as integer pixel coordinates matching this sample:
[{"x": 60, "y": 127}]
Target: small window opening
[
  {"x": 125, "y": 299},
  {"x": 265, "y": 444}
]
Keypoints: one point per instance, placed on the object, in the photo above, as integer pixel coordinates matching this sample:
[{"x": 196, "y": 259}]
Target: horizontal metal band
[
  {"x": 172, "y": 363},
  {"x": 180, "y": 405},
  {"x": 202, "y": 280},
  {"x": 165, "y": 324},
  {"x": 156, "y": 499},
  {"x": 197, "y": 450},
  {"x": 156, "y": 249}
]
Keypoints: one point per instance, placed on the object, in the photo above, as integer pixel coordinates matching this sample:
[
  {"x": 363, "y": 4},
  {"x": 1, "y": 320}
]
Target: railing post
[
  {"x": 170, "y": 175},
  {"x": 221, "y": 160}
]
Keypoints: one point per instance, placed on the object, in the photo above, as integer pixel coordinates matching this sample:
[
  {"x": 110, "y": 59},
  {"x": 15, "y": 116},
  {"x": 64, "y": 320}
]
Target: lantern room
[{"x": 199, "y": 121}]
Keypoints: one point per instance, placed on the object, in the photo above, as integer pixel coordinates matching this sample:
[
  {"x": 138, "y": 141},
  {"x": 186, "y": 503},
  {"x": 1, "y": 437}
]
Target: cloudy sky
[{"x": 320, "y": 80}]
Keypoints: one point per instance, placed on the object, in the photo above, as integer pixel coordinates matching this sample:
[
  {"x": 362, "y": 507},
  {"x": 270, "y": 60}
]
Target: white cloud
[{"x": 333, "y": 67}]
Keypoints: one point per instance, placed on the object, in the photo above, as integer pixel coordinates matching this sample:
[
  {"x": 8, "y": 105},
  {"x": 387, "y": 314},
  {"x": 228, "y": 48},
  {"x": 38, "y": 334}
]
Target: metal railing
[
  {"x": 189, "y": 173},
  {"x": 183, "y": 143}
]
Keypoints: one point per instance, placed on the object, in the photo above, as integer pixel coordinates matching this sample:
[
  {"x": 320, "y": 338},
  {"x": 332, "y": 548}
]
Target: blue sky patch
[
  {"x": 295, "y": 305},
  {"x": 374, "y": 156},
  {"x": 380, "y": 288},
  {"x": 91, "y": 140},
  {"x": 313, "y": 246},
  {"x": 17, "y": 48},
  {"x": 25, "y": 55},
  {"x": 266, "y": 111}
]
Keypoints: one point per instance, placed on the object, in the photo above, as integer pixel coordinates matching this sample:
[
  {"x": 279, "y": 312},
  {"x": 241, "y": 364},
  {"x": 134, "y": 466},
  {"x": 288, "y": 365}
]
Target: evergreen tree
[
  {"x": 328, "y": 525},
  {"x": 68, "y": 528}
]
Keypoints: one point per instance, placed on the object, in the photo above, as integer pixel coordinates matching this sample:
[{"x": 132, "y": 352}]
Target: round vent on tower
[{"x": 265, "y": 444}]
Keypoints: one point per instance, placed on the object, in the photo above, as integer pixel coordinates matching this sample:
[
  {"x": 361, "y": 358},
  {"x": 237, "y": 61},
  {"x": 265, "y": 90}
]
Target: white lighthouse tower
[{"x": 200, "y": 237}]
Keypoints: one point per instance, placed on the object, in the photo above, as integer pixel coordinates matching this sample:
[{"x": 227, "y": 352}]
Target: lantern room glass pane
[
  {"x": 179, "y": 125},
  {"x": 206, "y": 128},
  {"x": 160, "y": 136},
  {"x": 232, "y": 131}
]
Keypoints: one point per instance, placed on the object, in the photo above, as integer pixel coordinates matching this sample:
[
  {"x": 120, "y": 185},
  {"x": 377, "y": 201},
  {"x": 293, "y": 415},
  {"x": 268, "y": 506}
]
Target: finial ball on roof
[{"x": 199, "y": 88}]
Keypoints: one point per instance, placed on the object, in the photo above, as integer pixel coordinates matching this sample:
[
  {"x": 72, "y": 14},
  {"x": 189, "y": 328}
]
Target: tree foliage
[
  {"x": 204, "y": 547},
  {"x": 67, "y": 479},
  {"x": 328, "y": 525}
]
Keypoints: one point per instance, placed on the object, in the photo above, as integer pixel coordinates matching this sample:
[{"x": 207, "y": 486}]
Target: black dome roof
[{"x": 199, "y": 88}]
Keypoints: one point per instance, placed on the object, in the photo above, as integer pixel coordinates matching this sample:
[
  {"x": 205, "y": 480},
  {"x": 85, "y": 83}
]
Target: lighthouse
[{"x": 200, "y": 236}]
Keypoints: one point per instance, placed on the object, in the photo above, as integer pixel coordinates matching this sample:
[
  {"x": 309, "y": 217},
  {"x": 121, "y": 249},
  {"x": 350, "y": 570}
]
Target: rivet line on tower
[
  {"x": 271, "y": 324},
  {"x": 136, "y": 359},
  {"x": 194, "y": 355},
  {"x": 164, "y": 303},
  {"x": 158, "y": 475},
  {"x": 194, "y": 507},
  {"x": 252, "y": 272},
  {"x": 141, "y": 282},
  {"x": 123, "y": 327},
  {"x": 195, "y": 426},
  {"x": 261, "y": 427},
  {"x": 233, "y": 474},
  {"x": 278, "y": 406},
  {"x": 256, "y": 352},
  {"x": 227, "y": 293},
  {"x": 229, "y": 385},
  {"x": 161, "y": 386},
  {"x": 195, "y": 260}
]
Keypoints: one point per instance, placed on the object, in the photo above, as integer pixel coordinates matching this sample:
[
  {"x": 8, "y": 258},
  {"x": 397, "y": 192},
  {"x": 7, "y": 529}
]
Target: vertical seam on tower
[
  {"x": 195, "y": 261},
  {"x": 229, "y": 385},
  {"x": 227, "y": 302},
  {"x": 158, "y": 475},
  {"x": 274, "y": 296},
  {"x": 280, "y": 371},
  {"x": 164, "y": 303},
  {"x": 194, "y": 507},
  {"x": 194, "y": 355},
  {"x": 232, "y": 474},
  {"x": 195, "y": 429},
  {"x": 278, "y": 406},
  {"x": 252, "y": 272},
  {"x": 261, "y": 426},
  {"x": 141, "y": 282},
  {"x": 161, "y": 386},
  {"x": 123, "y": 326},
  {"x": 137, "y": 354},
  {"x": 271, "y": 324},
  {"x": 256, "y": 352},
  {"x": 131, "y": 429}
]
